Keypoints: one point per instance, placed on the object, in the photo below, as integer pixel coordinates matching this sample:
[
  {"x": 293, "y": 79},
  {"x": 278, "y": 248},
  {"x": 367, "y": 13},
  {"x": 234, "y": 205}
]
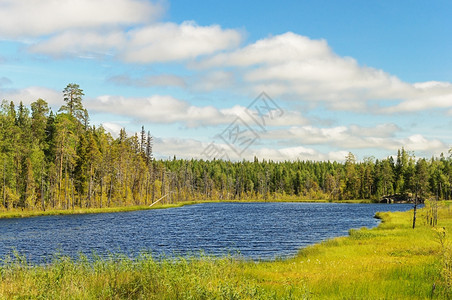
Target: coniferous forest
[{"x": 58, "y": 160}]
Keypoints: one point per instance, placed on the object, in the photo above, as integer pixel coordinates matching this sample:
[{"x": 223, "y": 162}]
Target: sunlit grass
[
  {"x": 19, "y": 213},
  {"x": 392, "y": 261}
]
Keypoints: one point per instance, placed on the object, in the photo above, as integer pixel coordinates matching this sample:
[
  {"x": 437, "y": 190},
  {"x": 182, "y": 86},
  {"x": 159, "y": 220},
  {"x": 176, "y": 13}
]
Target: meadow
[{"x": 392, "y": 261}]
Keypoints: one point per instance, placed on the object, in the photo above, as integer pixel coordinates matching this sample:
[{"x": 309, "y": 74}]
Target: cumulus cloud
[
  {"x": 428, "y": 95},
  {"x": 78, "y": 43},
  {"x": 113, "y": 128},
  {"x": 35, "y": 18},
  {"x": 168, "y": 41},
  {"x": 273, "y": 50},
  {"x": 162, "y": 42},
  {"x": 165, "y": 109},
  {"x": 159, "y": 109},
  {"x": 31, "y": 94},
  {"x": 290, "y": 63},
  {"x": 296, "y": 67},
  {"x": 166, "y": 148},
  {"x": 383, "y": 136},
  {"x": 418, "y": 142},
  {"x": 125, "y": 29}
]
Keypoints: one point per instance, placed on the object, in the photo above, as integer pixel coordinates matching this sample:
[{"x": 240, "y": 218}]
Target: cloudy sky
[{"x": 308, "y": 80}]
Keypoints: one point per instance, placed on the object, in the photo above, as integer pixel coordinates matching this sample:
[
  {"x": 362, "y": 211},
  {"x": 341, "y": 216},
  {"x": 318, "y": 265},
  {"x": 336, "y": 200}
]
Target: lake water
[{"x": 254, "y": 230}]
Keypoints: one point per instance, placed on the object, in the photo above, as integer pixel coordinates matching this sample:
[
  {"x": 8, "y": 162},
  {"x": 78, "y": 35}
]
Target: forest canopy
[{"x": 58, "y": 160}]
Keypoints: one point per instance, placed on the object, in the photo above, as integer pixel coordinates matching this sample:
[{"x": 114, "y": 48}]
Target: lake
[{"x": 253, "y": 230}]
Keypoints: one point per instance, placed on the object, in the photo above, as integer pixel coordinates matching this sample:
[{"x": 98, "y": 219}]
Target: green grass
[
  {"x": 392, "y": 261},
  {"x": 18, "y": 213}
]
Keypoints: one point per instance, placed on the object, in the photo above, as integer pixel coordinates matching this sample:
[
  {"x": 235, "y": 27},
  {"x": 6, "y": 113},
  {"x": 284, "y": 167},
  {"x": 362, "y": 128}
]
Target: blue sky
[{"x": 341, "y": 76}]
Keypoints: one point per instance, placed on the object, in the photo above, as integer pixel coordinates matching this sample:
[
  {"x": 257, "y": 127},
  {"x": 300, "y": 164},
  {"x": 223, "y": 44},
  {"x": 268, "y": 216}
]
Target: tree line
[{"x": 58, "y": 160}]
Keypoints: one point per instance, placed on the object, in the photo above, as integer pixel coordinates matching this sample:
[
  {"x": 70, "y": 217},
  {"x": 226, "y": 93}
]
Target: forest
[{"x": 57, "y": 160}]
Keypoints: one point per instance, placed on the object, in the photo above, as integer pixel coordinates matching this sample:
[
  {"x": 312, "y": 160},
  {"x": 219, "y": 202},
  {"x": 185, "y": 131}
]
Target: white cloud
[
  {"x": 419, "y": 143},
  {"x": 166, "y": 148},
  {"x": 31, "y": 94},
  {"x": 167, "y": 110},
  {"x": 162, "y": 42},
  {"x": 270, "y": 51},
  {"x": 77, "y": 43},
  {"x": 113, "y": 128},
  {"x": 168, "y": 42},
  {"x": 296, "y": 67},
  {"x": 382, "y": 136},
  {"x": 159, "y": 109},
  {"x": 125, "y": 29},
  {"x": 428, "y": 95},
  {"x": 35, "y": 18}
]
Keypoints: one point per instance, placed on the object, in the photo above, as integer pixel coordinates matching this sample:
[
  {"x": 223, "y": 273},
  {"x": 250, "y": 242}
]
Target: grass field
[{"x": 392, "y": 261}]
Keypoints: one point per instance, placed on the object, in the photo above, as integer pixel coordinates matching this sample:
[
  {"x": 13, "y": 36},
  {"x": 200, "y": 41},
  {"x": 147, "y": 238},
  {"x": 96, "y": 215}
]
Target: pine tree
[{"x": 72, "y": 95}]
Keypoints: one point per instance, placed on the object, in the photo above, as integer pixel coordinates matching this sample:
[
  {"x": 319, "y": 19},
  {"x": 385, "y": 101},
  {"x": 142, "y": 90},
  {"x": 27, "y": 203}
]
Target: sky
[{"x": 287, "y": 80}]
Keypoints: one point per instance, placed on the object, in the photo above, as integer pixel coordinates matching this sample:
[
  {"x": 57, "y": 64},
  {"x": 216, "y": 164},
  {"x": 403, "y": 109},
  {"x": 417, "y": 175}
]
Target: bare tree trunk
[{"x": 414, "y": 211}]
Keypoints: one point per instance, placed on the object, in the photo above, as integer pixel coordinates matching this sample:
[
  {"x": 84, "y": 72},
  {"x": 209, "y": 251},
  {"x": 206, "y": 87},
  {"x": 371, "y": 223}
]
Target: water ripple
[{"x": 255, "y": 230}]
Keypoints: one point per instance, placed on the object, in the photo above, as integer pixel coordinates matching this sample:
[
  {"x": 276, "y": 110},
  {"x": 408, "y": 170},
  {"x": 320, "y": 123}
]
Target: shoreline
[{"x": 18, "y": 213}]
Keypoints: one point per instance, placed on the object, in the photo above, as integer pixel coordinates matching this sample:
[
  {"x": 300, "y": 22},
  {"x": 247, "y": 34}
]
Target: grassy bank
[
  {"x": 392, "y": 261},
  {"x": 20, "y": 213}
]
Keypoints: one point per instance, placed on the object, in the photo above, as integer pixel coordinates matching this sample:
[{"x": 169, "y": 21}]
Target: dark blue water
[{"x": 255, "y": 230}]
